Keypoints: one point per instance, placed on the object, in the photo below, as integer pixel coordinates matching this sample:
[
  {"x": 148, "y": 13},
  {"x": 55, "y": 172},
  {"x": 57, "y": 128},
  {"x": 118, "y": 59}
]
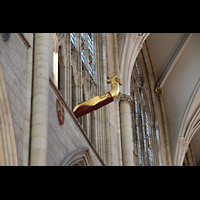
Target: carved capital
[{"x": 125, "y": 97}]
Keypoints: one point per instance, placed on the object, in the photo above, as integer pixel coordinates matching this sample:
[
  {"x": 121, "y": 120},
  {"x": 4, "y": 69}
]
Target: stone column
[
  {"x": 40, "y": 100},
  {"x": 118, "y": 132},
  {"x": 27, "y": 104},
  {"x": 125, "y": 119}
]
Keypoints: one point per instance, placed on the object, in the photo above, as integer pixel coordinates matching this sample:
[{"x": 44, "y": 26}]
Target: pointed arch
[
  {"x": 189, "y": 126},
  {"x": 129, "y": 46},
  {"x": 184, "y": 141},
  {"x": 79, "y": 157},
  {"x": 145, "y": 136},
  {"x": 8, "y": 152}
]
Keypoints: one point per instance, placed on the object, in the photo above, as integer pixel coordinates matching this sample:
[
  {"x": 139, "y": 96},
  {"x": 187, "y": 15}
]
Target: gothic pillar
[
  {"x": 125, "y": 119},
  {"x": 27, "y": 104},
  {"x": 40, "y": 100}
]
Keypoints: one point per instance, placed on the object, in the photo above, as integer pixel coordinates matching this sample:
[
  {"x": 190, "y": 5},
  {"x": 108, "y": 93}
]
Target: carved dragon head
[{"x": 113, "y": 79}]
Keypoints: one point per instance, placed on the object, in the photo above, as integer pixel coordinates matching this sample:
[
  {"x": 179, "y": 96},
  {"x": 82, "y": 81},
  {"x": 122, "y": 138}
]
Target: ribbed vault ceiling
[{"x": 176, "y": 59}]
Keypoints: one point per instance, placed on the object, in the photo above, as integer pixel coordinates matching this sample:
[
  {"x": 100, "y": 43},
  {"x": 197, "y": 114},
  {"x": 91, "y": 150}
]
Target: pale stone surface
[
  {"x": 39, "y": 130},
  {"x": 105, "y": 133},
  {"x": 13, "y": 60},
  {"x": 66, "y": 138},
  {"x": 127, "y": 151}
]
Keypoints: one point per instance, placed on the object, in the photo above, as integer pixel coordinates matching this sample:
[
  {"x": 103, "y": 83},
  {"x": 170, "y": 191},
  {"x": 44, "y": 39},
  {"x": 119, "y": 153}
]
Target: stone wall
[
  {"x": 99, "y": 144},
  {"x": 66, "y": 138},
  {"x": 13, "y": 60}
]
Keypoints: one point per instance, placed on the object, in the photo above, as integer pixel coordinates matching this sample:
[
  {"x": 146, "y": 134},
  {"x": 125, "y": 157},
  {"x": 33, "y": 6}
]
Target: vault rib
[{"x": 177, "y": 54}]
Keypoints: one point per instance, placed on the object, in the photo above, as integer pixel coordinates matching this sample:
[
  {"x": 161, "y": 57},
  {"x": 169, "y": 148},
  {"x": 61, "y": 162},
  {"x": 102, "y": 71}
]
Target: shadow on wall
[{"x": 8, "y": 152}]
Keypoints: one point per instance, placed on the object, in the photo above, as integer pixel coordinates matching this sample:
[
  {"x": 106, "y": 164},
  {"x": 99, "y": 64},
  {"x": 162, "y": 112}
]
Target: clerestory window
[
  {"x": 141, "y": 132},
  {"x": 87, "y": 46},
  {"x": 90, "y": 54}
]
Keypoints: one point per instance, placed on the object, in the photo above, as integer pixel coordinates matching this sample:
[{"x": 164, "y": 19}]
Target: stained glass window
[
  {"x": 86, "y": 50},
  {"x": 137, "y": 126},
  {"x": 73, "y": 37},
  {"x": 148, "y": 139},
  {"x": 132, "y": 127},
  {"x": 83, "y": 47},
  {"x": 141, "y": 140},
  {"x": 90, "y": 54}
]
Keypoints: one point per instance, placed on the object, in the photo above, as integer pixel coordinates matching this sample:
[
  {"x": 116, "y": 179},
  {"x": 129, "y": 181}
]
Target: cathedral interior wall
[
  {"x": 13, "y": 60},
  {"x": 96, "y": 136},
  {"x": 64, "y": 139}
]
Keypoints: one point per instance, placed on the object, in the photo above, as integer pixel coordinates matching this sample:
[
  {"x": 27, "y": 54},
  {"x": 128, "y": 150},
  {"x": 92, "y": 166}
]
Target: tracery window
[
  {"x": 90, "y": 54},
  {"x": 86, "y": 50},
  {"x": 73, "y": 36},
  {"x": 83, "y": 47},
  {"x": 141, "y": 131}
]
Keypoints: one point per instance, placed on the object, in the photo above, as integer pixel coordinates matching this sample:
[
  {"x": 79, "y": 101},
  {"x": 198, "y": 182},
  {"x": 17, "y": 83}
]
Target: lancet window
[
  {"x": 73, "y": 37},
  {"x": 86, "y": 40},
  {"x": 83, "y": 47},
  {"x": 90, "y": 54},
  {"x": 141, "y": 127}
]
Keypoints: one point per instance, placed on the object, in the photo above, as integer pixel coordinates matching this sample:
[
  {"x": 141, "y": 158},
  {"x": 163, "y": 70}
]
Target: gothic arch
[
  {"x": 79, "y": 157},
  {"x": 184, "y": 141},
  {"x": 129, "y": 46},
  {"x": 189, "y": 126},
  {"x": 8, "y": 152}
]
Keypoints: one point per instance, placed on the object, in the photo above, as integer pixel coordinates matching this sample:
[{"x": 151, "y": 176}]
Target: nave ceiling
[{"x": 176, "y": 59}]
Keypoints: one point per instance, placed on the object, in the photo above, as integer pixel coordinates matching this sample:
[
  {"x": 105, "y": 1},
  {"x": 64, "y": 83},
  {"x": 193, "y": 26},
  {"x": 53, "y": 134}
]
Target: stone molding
[
  {"x": 81, "y": 155},
  {"x": 24, "y": 40}
]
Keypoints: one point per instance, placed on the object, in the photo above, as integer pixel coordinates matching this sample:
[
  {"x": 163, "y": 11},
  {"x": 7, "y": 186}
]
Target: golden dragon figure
[{"x": 99, "y": 101}]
